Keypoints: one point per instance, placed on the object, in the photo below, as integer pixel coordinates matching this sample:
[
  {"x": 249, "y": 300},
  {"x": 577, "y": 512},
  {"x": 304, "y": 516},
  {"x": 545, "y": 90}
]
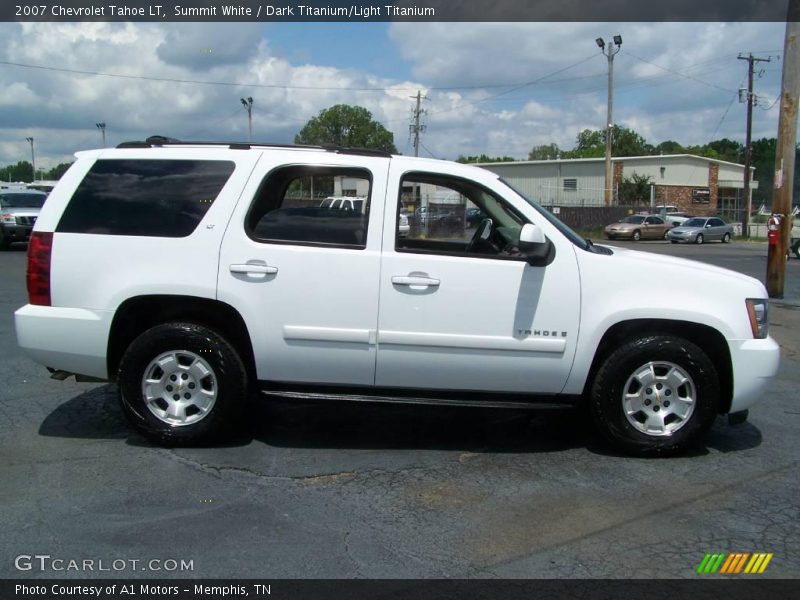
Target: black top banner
[{"x": 395, "y": 10}]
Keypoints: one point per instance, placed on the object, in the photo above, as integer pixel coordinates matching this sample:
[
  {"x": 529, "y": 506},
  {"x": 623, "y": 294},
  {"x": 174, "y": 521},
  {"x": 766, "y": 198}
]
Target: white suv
[{"x": 194, "y": 274}]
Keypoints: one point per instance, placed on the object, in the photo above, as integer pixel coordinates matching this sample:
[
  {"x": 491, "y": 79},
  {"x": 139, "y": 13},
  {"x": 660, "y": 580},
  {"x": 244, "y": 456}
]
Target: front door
[{"x": 460, "y": 309}]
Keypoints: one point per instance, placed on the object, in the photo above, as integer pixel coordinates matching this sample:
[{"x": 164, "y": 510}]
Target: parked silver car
[{"x": 701, "y": 229}]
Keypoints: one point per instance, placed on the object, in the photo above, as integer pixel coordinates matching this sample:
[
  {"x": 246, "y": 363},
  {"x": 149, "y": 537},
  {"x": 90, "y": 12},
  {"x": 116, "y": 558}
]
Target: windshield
[
  {"x": 694, "y": 223},
  {"x": 22, "y": 200},
  {"x": 557, "y": 223},
  {"x": 634, "y": 219}
]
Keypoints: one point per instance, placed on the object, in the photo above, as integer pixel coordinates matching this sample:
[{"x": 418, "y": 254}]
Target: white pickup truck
[{"x": 187, "y": 274}]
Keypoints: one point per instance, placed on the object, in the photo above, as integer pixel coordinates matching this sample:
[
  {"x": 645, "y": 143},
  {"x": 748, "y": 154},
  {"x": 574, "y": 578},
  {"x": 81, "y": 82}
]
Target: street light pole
[
  {"x": 610, "y": 49},
  {"x": 33, "y": 159},
  {"x": 102, "y": 128},
  {"x": 248, "y": 106}
]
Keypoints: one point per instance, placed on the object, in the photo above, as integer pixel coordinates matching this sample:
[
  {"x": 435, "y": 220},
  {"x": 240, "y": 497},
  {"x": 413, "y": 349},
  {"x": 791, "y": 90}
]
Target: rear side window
[
  {"x": 157, "y": 198},
  {"x": 311, "y": 205}
]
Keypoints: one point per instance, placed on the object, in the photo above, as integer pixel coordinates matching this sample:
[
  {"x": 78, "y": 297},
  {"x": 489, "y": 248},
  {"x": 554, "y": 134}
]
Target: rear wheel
[
  {"x": 637, "y": 235},
  {"x": 666, "y": 234},
  {"x": 182, "y": 383},
  {"x": 655, "y": 396},
  {"x": 700, "y": 239},
  {"x": 726, "y": 238}
]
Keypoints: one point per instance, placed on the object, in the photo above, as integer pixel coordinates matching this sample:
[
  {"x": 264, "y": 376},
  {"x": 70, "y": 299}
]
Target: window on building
[
  {"x": 570, "y": 185},
  {"x": 297, "y": 205},
  {"x": 159, "y": 198}
]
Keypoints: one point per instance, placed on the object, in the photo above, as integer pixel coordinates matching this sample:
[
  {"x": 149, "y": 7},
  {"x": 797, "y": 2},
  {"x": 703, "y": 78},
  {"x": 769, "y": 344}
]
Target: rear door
[
  {"x": 305, "y": 276},
  {"x": 717, "y": 229}
]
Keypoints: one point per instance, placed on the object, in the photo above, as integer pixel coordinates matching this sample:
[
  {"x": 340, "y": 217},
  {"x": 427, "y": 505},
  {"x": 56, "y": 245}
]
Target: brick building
[{"x": 698, "y": 185}]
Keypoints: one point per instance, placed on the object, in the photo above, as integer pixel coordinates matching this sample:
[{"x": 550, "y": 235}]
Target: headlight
[
  {"x": 757, "y": 312},
  {"x": 8, "y": 219}
]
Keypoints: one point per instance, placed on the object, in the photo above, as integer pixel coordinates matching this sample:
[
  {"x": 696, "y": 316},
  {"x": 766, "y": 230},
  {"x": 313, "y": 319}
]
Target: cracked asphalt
[{"x": 316, "y": 490}]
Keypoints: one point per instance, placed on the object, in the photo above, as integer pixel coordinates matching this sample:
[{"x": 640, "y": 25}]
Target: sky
[{"x": 493, "y": 88}]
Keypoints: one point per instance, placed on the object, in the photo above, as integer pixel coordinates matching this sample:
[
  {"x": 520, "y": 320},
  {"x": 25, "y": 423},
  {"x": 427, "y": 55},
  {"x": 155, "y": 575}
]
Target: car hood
[
  {"x": 623, "y": 226},
  {"x": 686, "y": 229},
  {"x": 683, "y": 267},
  {"x": 22, "y": 211}
]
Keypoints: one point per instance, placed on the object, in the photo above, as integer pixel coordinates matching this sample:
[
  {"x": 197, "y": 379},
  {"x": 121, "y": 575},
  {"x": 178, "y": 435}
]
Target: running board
[{"x": 555, "y": 402}]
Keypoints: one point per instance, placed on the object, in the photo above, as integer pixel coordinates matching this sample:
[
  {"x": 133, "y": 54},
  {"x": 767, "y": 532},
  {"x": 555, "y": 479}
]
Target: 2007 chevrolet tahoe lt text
[{"x": 195, "y": 274}]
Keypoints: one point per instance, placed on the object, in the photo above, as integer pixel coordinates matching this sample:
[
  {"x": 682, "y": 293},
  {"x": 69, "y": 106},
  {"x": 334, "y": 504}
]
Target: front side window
[
  {"x": 159, "y": 198},
  {"x": 306, "y": 205},
  {"x": 449, "y": 215}
]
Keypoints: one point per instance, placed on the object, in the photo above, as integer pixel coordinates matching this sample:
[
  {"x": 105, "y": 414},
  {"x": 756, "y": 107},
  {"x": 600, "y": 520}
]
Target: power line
[
  {"x": 668, "y": 70},
  {"x": 270, "y": 85}
]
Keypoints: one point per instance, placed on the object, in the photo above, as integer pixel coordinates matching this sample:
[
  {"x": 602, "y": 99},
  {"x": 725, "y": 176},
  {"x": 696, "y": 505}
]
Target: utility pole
[
  {"x": 248, "y": 106},
  {"x": 748, "y": 150},
  {"x": 610, "y": 49},
  {"x": 33, "y": 159},
  {"x": 102, "y": 128},
  {"x": 785, "y": 151},
  {"x": 416, "y": 128}
]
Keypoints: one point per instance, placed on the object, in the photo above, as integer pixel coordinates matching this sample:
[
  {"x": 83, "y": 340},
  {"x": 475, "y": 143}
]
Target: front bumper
[
  {"x": 755, "y": 363},
  {"x": 682, "y": 237},
  {"x": 16, "y": 233}
]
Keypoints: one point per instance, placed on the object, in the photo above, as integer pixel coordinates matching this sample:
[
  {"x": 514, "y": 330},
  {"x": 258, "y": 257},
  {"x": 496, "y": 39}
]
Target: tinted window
[
  {"x": 162, "y": 198},
  {"x": 637, "y": 220},
  {"x": 302, "y": 204},
  {"x": 655, "y": 221},
  {"x": 22, "y": 200},
  {"x": 716, "y": 222}
]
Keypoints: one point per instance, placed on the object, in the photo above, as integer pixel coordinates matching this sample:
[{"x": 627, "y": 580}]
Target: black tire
[
  {"x": 674, "y": 241},
  {"x": 666, "y": 234},
  {"x": 609, "y": 385},
  {"x": 5, "y": 243},
  {"x": 726, "y": 239},
  {"x": 700, "y": 239},
  {"x": 637, "y": 235},
  {"x": 229, "y": 377},
  {"x": 797, "y": 250}
]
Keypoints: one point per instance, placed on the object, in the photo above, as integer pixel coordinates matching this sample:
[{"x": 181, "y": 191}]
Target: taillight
[{"x": 40, "y": 249}]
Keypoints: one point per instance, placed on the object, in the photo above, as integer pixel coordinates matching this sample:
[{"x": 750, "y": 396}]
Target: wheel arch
[
  {"x": 710, "y": 340},
  {"x": 138, "y": 314}
]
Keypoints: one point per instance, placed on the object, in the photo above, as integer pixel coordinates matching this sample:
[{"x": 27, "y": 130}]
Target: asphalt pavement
[{"x": 338, "y": 490}]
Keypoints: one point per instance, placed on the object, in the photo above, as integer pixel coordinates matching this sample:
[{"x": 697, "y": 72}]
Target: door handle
[
  {"x": 415, "y": 280},
  {"x": 253, "y": 269}
]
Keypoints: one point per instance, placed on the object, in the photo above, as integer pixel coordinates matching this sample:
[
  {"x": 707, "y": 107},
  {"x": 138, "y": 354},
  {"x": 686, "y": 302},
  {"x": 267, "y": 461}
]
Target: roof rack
[{"x": 156, "y": 141}]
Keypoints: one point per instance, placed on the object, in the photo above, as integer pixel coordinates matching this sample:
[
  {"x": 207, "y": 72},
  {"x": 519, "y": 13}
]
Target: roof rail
[{"x": 155, "y": 141}]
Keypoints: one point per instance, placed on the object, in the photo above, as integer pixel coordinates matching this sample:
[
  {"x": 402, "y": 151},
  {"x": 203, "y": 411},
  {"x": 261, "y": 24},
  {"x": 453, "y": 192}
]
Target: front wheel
[
  {"x": 700, "y": 239},
  {"x": 655, "y": 395},
  {"x": 182, "y": 383},
  {"x": 637, "y": 235}
]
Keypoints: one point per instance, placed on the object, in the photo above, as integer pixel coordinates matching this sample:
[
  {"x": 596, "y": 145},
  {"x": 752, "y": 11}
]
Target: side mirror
[{"x": 534, "y": 245}]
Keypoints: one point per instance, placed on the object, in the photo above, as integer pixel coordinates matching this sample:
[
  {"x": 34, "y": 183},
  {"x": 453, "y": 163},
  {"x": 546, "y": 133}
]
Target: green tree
[
  {"x": 56, "y": 172},
  {"x": 21, "y": 171},
  {"x": 347, "y": 126},
  {"x": 635, "y": 188},
  {"x": 727, "y": 149},
  {"x": 591, "y": 143},
  {"x": 483, "y": 158},
  {"x": 669, "y": 147},
  {"x": 545, "y": 152}
]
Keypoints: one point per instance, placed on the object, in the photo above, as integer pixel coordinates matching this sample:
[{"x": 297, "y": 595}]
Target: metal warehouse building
[{"x": 695, "y": 184}]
